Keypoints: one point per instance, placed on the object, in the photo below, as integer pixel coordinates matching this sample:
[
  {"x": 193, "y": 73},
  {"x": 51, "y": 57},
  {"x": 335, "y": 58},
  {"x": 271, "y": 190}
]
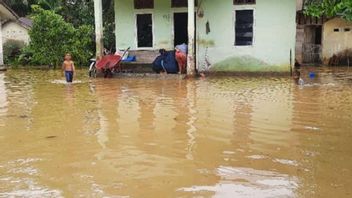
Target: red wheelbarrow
[{"x": 108, "y": 65}]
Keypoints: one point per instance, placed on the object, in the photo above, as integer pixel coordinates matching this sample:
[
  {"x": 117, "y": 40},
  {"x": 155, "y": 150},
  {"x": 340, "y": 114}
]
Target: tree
[
  {"x": 77, "y": 13},
  {"x": 52, "y": 37},
  {"x": 21, "y": 7},
  {"x": 329, "y": 8},
  {"x": 24, "y": 7}
]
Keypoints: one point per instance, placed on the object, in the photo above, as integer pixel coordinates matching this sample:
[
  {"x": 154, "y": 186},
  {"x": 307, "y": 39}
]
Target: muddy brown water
[{"x": 216, "y": 137}]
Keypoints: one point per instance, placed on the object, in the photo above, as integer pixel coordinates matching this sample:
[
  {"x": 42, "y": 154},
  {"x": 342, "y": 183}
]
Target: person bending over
[{"x": 181, "y": 57}]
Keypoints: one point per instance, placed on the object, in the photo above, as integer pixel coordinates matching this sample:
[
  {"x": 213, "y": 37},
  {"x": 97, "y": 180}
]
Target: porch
[
  {"x": 138, "y": 28},
  {"x": 223, "y": 36}
]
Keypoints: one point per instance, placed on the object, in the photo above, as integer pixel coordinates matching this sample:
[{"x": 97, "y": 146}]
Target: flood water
[{"x": 216, "y": 137}]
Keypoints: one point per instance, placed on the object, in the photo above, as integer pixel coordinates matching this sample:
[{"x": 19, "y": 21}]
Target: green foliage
[
  {"x": 78, "y": 12},
  {"x": 24, "y": 7},
  {"x": 12, "y": 49},
  {"x": 21, "y": 7},
  {"x": 49, "y": 4},
  {"x": 329, "y": 8},
  {"x": 52, "y": 37}
]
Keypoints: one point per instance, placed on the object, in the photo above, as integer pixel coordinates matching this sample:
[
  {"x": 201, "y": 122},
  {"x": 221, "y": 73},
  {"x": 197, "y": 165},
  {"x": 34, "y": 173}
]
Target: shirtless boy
[{"x": 68, "y": 67}]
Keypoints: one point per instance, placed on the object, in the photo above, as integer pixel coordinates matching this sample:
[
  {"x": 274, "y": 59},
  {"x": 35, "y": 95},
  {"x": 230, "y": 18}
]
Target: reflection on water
[
  {"x": 3, "y": 98},
  {"x": 245, "y": 182},
  {"x": 215, "y": 137}
]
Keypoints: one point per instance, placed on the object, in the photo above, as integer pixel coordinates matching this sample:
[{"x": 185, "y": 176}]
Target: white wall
[
  {"x": 14, "y": 31},
  {"x": 274, "y": 34},
  {"x": 274, "y": 37}
]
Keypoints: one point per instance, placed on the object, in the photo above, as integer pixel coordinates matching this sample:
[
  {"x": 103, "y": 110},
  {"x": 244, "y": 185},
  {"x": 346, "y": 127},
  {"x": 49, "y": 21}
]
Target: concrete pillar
[
  {"x": 1, "y": 46},
  {"x": 191, "y": 65},
  {"x": 98, "y": 14}
]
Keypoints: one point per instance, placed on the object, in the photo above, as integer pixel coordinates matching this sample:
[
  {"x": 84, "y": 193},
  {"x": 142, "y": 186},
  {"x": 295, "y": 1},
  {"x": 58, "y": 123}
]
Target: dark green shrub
[
  {"x": 12, "y": 50},
  {"x": 52, "y": 37}
]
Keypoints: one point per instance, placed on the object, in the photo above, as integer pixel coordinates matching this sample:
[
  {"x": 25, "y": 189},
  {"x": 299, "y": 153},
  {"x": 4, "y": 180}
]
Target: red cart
[{"x": 108, "y": 65}]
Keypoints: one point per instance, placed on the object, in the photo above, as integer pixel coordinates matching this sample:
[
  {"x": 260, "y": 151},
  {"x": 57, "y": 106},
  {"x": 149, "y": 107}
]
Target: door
[
  {"x": 180, "y": 28},
  {"x": 312, "y": 44},
  {"x": 144, "y": 30}
]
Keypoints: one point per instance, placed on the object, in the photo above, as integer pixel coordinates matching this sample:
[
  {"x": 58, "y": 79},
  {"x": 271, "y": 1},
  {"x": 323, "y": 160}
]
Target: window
[
  {"x": 143, "y": 4},
  {"x": 244, "y": 20},
  {"x": 181, "y": 3},
  {"x": 144, "y": 30},
  {"x": 347, "y": 29},
  {"x": 336, "y": 30},
  {"x": 241, "y": 2}
]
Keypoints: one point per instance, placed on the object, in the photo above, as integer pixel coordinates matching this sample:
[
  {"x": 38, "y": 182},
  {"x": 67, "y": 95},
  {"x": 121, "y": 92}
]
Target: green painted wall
[
  {"x": 274, "y": 36},
  {"x": 125, "y": 19}
]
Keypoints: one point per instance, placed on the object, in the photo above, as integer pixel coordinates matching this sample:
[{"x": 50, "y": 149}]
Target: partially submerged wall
[
  {"x": 337, "y": 38},
  {"x": 274, "y": 37}
]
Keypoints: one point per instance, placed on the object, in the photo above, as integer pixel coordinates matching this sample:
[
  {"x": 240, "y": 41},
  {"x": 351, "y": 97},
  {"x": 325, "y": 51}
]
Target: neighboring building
[
  {"x": 16, "y": 30},
  {"x": 231, "y": 35},
  {"x": 337, "y": 39},
  {"x": 5, "y": 14},
  {"x": 309, "y": 38},
  {"x": 319, "y": 39}
]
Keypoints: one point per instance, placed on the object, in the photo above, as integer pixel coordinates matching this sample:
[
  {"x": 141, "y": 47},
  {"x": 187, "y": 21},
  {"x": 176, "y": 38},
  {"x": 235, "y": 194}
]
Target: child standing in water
[{"x": 68, "y": 68}]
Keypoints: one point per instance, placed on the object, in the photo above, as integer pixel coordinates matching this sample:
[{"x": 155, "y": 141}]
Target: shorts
[{"x": 69, "y": 76}]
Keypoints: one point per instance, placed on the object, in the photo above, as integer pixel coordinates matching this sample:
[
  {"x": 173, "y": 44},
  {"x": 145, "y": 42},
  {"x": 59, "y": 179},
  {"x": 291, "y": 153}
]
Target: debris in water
[
  {"x": 51, "y": 137},
  {"x": 312, "y": 128}
]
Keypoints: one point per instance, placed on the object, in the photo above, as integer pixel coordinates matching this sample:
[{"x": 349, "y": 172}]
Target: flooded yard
[{"x": 215, "y": 137}]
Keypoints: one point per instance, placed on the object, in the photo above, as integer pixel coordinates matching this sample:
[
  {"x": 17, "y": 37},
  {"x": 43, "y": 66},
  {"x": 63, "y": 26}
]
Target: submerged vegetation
[{"x": 61, "y": 26}]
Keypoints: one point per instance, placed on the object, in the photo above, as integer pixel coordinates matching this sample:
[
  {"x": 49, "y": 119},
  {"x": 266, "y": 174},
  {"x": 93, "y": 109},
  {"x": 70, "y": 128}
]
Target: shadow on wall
[
  {"x": 246, "y": 64},
  {"x": 343, "y": 58}
]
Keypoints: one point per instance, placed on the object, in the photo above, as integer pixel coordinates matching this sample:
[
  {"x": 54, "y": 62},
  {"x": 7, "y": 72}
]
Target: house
[
  {"x": 222, "y": 35},
  {"x": 337, "y": 41},
  {"x": 6, "y": 13},
  {"x": 319, "y": 39},
  {"x": 309, "y": 37},
  {"x": 16, "y": 30}
]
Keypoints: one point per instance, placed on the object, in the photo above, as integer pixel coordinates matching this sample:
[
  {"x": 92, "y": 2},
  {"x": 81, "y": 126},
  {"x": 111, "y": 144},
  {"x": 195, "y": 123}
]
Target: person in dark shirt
[{"x": 165, "y": 62}]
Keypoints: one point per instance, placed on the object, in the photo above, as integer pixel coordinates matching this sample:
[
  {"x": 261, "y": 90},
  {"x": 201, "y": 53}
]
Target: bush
[
  {"x": 52, "y": 37},
  {"x": 12, "y": 50}
]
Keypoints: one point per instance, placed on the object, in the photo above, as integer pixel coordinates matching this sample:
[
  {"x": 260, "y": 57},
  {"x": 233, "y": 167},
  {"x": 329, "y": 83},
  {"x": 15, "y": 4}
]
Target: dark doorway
[
  {"x": 180, "y": 28},
  {"x": 318, "y": 35},
  {"x": 144, "y": 30},
  {"x": 312, "y": 49}
]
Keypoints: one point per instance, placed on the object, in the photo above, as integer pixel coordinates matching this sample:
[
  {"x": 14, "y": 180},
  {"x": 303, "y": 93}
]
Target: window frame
[
  {"x": 239, "y": 8},
  {"x": 173, "y": 7},
  {"x": 134, "y": 6},
  {"x": 233, "y": 2},
  {"x": 141, "y": 12}
]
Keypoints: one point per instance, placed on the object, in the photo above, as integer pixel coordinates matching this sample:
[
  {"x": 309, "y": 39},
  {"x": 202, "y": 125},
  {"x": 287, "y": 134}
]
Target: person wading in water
[{"x": 68, "y": 67}]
